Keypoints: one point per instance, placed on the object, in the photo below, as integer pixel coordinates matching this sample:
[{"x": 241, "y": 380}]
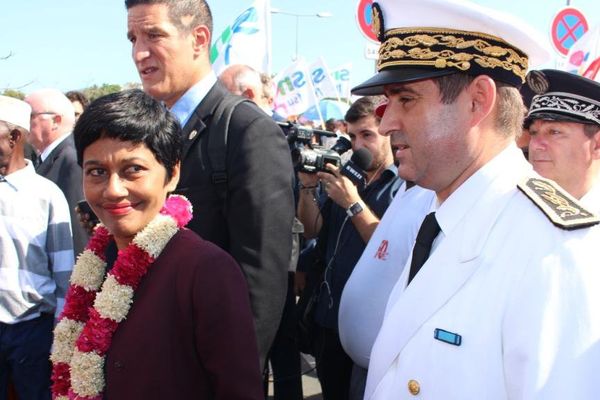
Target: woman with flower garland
[{"x": 153, "y": 311}]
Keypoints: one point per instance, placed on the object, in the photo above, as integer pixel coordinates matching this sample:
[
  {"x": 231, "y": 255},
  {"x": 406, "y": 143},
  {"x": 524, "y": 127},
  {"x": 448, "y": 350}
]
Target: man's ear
[
  {"x": 201, "y": 38},
  {"x": 596, "y": 146},
  {"x": 57, "y": 120},
  {"x": 482, "y": 92},
  {"x": 14, "y": 137},
  {"x": 249, "y": 94}
]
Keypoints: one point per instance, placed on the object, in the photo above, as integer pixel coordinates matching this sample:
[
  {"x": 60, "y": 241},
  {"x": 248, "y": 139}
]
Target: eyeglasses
[{"x": 35, "y": 114}]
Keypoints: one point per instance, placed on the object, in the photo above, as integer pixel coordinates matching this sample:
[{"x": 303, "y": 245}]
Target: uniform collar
[
  {"x": 591, "y": 200},
  {"x": 450, "y": 212}
]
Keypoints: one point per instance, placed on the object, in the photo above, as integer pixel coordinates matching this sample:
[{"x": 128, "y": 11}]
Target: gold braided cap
[{"x": 437, "y": 48}]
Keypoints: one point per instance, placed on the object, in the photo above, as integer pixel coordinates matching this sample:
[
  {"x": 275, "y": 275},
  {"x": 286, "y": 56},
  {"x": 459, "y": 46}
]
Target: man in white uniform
[
  {"x": 501, "y": 296},
  {"x": 564, "y": 128},
  {"x": 366, "y": 293}
]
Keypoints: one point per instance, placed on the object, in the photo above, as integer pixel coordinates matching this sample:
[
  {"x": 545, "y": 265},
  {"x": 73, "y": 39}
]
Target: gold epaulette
[{"x": 559, "y": 206}]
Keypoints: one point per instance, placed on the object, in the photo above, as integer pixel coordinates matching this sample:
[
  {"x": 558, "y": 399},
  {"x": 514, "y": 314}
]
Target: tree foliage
[
  {"x": 95, "y": 91},
  {"x": 17, "y": 94}
]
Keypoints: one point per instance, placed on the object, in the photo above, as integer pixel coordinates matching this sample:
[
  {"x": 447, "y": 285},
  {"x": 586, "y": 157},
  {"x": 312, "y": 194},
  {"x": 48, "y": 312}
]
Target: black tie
[{"x": 427, "y": 232}]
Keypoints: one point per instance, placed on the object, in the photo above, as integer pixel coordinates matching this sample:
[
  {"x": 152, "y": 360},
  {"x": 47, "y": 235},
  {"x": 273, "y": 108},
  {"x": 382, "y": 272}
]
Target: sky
[{"x": 73, "y": 44}]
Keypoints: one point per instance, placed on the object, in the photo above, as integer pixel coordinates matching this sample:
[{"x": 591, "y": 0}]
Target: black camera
[
  {"x": 309, "y": 157},
  {"x": 312, "y": 158}
]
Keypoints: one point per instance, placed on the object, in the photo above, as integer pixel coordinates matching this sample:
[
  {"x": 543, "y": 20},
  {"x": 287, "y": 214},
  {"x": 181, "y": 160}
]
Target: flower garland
[{"x": 95, "y": 306}]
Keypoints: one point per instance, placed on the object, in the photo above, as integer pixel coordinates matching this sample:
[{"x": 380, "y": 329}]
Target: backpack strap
[{"x": 217, "y": 143}]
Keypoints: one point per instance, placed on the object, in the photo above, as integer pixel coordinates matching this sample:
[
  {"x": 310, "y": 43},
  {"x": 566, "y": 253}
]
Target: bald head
[
  {"x": 245, "y": 81},
  {"x": 52, "y": 116}
]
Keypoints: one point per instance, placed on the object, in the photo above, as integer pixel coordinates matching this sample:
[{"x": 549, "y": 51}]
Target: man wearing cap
[
  {"x": 500, "y": 298},
  {"x": 564, "y": 124},
  {"x": 36, "y": 259}
]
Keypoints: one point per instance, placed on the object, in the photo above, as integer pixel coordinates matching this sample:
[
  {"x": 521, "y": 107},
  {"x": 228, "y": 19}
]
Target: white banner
[
  {"x": 246, "y": 41},
  {"x": 295, "y": 92},
  {"x": 323, "y": 83},
  {"x": 584, "y": 56},
  {"x": 341, "y": 77}
]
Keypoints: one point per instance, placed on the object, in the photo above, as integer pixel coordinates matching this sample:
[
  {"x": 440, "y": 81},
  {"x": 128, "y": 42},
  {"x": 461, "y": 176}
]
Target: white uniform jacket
[
  {"x": 591, "y": 200},
  {"x": 520, "y": 295},
  {"x": 366, "y": 293}
]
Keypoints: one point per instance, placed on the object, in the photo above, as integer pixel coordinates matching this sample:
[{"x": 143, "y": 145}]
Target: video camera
[{"x": 309, "y": 157}]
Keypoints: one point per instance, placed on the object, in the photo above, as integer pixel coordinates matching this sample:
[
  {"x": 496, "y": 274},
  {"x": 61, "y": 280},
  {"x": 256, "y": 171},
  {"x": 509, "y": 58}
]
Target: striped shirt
[{"x": 36, "y": 246}]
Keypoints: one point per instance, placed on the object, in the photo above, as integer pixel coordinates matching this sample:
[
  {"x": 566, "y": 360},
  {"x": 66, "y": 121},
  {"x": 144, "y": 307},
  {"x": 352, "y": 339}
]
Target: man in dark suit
[
  {"x": 284, "y": 356},
  {"x": 170, "y": 48},
  {"x": 52, "y": 120}
]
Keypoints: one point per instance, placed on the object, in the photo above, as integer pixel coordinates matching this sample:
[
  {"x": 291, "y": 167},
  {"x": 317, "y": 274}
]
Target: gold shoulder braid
[
  {"x": 560, "y": 207},
  {"x": 448, "y": 48}
]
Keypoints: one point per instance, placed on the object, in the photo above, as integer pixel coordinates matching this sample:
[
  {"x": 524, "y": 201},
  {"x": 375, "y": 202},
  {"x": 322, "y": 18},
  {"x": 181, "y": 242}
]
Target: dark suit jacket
[
  {"x": 256, "y": 223},
  {"x": 61, "y": 168},
  {"x": 189, "y": 332}
]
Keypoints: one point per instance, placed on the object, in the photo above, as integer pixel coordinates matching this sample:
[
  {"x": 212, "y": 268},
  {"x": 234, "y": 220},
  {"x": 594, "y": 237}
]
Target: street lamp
[{"x": 323, "y": 14}]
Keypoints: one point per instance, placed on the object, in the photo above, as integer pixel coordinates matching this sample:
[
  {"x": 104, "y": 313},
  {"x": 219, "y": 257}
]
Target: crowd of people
[{"x": 163, "y": 244}]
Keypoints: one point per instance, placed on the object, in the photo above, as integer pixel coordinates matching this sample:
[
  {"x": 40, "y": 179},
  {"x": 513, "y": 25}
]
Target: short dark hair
[
  {"x": 450, "y": 86},
  {"x": 76, "y": 95},
  {"x": 131, "y": 115},
  {"x": 590, "y": 129},
  {"x": 363, "y": 107},
  {"x": 198, "y": 9},
  {"x": 330, "y": 124},
  {"x": 509, "y": 115}
]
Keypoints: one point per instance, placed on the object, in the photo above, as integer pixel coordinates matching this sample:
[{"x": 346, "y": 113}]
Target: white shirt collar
[
  {"x": 591, "y": 200},
  {"x": 52, "y": 146},
  {"x": 451, "y": 211},
  {"x": 185, "y": 106},
  {"x": 20, "y": 177}
]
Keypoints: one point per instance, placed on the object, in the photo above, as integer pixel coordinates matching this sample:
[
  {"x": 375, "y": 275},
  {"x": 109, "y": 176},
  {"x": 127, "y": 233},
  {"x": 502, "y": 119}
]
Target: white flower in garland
[
  {"x": 114, "y": 300},
  {"x": 90, "y": 273}
]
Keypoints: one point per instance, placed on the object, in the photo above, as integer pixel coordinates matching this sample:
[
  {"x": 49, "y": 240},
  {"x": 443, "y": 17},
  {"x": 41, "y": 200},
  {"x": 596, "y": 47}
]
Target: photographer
[{"x": 343, "y": 217}]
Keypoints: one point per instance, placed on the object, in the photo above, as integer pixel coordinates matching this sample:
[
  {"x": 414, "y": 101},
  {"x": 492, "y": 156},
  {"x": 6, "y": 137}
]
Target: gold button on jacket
[{"x": 413, "y": 387}]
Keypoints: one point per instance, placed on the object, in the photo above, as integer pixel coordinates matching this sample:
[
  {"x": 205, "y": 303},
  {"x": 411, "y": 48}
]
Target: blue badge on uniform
[{"x": 447, "y": 337}]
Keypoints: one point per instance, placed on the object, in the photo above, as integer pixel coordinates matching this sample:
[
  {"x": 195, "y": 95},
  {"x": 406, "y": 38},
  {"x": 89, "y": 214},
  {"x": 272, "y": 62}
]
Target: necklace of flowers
[{"x": 95, "y": 306}]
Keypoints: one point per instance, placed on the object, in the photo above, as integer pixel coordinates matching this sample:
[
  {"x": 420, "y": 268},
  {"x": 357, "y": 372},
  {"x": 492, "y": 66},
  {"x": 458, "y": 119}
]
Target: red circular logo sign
[
  {"x": 567, "y": 27},
  {"x": 364, "y": 18}
]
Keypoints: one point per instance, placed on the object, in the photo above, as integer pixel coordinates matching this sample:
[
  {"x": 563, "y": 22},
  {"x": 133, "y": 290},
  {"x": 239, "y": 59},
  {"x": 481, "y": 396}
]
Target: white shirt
[
  {"x": 366, "y": 292},
  {"x": 52, "y": 146},
  {"x": 186, "y": 104},
  {"x": 36, "y": 246}
]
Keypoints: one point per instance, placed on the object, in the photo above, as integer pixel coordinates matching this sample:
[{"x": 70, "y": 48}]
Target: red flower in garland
[
  {"x": 99, "y": 241},
  {"x": 179, "y": 208},
  {"x": 97, "y": 334},
  {"x": 61, "y": 379},
  {"x": 131, "y": 266},
  {"x": 79, "y": 302}
]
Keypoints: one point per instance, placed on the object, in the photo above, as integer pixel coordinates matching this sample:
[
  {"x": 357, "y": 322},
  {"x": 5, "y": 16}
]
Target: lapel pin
[
  {"x": 447, "y": 337},
  {"x": 192, "y": 134}
]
